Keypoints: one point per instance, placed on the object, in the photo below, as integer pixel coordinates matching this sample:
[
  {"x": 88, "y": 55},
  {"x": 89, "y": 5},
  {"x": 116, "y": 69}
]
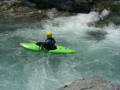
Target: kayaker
[{"x": 49, "y": 43}]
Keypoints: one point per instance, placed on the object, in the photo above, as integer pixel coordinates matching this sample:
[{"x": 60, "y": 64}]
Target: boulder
[
  {"x": 67, "y": 5},
  {"x": 91, "y": 85}
]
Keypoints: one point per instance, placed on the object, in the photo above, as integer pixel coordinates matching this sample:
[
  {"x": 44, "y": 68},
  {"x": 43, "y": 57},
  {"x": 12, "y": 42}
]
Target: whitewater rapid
[{"x": 97, "y": 54}]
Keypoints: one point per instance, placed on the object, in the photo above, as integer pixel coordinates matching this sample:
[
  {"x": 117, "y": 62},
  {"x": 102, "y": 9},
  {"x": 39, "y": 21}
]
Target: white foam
[
  {"x": 72, "y": 29},
  {"x": 62, "y": 27},
  {"x": 113, "y": 36}
]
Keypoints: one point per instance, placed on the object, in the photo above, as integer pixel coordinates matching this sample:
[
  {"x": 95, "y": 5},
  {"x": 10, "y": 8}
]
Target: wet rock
[
  {"x": 91, "y": 85},
  {"x": 67, "y": 5},
  {"x": 17, "y": 10},
  {"x": 11, "y": 10},
  {"x": 4, "y": 7},
  {"x": 28, "y": 3},
  {"x": 39, "y": 11},
  {"x": 12, "y": 2},
  {"x": 83, "y": 5}
]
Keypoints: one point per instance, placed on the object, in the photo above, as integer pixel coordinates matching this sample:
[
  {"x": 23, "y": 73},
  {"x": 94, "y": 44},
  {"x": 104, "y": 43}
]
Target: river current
[{"x": 97, "y": 57}]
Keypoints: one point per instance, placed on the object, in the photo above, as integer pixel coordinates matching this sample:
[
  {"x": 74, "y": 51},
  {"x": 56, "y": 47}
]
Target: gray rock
[
  {"x": 91, "y": 85},
  {"x": 68, "y": 5}
]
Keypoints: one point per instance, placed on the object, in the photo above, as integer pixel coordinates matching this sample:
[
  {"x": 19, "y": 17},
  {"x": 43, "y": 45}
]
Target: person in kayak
[{"x": 49, "y": 43}]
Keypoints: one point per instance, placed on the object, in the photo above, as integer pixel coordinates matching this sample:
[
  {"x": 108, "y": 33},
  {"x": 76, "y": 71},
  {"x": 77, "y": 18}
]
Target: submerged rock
[
  {"x": 96, "y": 35},
  {"x": 91, "y": 85}
]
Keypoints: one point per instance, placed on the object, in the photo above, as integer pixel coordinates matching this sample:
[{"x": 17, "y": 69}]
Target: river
[{"x": 97, "y": 57}]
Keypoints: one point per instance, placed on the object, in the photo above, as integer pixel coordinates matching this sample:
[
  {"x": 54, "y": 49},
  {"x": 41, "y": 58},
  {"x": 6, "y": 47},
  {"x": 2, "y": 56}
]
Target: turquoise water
[{"x": 97, "y": 56}]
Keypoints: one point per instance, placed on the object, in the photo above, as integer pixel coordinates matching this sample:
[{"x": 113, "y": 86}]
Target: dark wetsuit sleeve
[
  {"x": 53, "y": 40},
  {"x": 39, "y": 43}
]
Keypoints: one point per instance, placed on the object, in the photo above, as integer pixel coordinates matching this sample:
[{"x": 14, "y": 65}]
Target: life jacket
[{"x": 49, "y": 44}]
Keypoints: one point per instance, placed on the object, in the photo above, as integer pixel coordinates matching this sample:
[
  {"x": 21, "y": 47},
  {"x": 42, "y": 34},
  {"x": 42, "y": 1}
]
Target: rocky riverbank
[
  {"x": 28, "y": 10},
  {"x": 41, "y": 7},
  {"x": 83, "y": 6},
  {"x": 18, "y": 11}
]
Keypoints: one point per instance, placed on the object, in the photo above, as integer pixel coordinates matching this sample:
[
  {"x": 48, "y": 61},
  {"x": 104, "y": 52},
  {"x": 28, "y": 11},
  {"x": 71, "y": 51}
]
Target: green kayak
[{"x": 59, "y": 50}]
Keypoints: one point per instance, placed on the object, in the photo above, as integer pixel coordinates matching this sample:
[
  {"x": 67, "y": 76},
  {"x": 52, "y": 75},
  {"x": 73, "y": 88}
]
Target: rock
[
  {"x": 11, "y": 10},
  {"x": 52, "y": 13},
  {"x": 67, "y": 5},
  {"x": 30, "y": 4},
  {"x": 12, "y": 2},
  {"x": 16, "y": 11},
  {"x": 39, "y": 11},
  {"x": 0, "y": 3},
  {"x": 91, "y": 85},
  {"x": 4, "y": 7}
]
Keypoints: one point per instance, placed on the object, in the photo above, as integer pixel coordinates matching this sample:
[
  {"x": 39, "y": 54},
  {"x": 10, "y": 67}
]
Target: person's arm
[
  {"x": 54, "y": 40},
  {"x": 47, "y": 41}
]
